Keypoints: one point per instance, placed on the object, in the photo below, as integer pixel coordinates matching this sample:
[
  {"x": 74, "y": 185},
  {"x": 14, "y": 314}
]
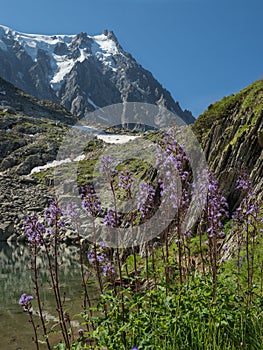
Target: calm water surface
[{"x": 16, "y": 278}]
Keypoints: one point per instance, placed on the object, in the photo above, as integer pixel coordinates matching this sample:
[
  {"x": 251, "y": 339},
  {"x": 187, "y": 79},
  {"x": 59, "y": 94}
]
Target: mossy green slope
[{"x": 230, "y": 132}]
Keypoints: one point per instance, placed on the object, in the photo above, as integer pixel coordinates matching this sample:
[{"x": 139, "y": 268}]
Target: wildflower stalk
[
  {"x": 153, "y": 265},
  {"x": 25, "y": 301},
  {"x": 55, "y": 287},
  {"x": 179, "y": 245},
  {"x": 261, "y": 277},
  {"x": 54, "y": 226},
  {"x": 201, "y": 251},
  {"x": 135, "y": 268},
  {"x": 34, "y": 328},
  {"x": 97, "y": 266},
  {"x": 86, "y": 298},
  {"x": 119, "y": 261},
  {"x": 35, "y": 254},
  {"x": 247, "y": 218}
]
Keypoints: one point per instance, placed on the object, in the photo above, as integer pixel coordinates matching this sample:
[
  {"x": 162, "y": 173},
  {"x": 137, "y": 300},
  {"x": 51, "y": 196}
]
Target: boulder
[{"x": 6, "y": 230}]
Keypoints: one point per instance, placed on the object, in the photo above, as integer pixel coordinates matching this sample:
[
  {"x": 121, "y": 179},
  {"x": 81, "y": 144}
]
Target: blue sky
[{"x": 199, "y": 50}]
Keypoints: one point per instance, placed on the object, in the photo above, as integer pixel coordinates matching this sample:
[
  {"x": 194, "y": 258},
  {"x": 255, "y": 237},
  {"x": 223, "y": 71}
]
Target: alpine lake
[{"x": 16, "y": 278}]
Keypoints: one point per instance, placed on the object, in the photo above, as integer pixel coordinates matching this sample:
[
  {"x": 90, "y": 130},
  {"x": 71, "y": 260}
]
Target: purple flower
[
  {"x": 125, "y": 181},
  {"x": 54, "y": 219},
  {"x": 134, "y": 348},
  {"x": 34, "y": 229},
  {"x": 103, "y": 244},
  {"x": 25, "y": 299},
  {"x": 145, "y": 198},
  {"x": 71, "y": 211},
  {"x": 99, "y": 256},
  {"x": 172, "y": 164},
  {"x": 81, "y": 332},
  {"x": 111, "y": 219},
  {"x": 216, "y": 209},
  {"x": 53, "y": 213},
  {"x": 90, "y": 201},
  {"x": 108, "y": 269},
  {"x": 244, "y": 183},
  {"x": 249, "y": 212},
  {"x": 106, "y": 163},
  {"x": 91, "y": 257}
]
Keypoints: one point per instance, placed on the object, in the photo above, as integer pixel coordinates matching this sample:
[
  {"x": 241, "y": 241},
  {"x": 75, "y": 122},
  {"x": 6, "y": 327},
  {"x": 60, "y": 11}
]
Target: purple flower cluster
[
  {"x": 172, "y": 163},
  {"x": 249, "y": 210},
  {"x": 25, "y": 299},
  {"x": 125, "y": 181},
  {"x": 54, "y": 219},
  {"x": 52, "y": 213},
  {"x": 34, "y": 229},
  {"x": 81, "y": 332},
  {"x": 71, "y": 211},
  {"x": 111, "y": 218},
  {"x": 100, "y": 256},
  {"x": 176, "y": 149},
  {"x": 108, "y": 269},
  {"x": 90, "y": 201},
  {"x": 145, "y": 198},
  {"x": 244, "y": 183},
  {"x": 106, "y": 163},
  {"x": 97, "y": 256},
  {"x": 54, "y": 223},
  {"x": 216, "y": 208}
]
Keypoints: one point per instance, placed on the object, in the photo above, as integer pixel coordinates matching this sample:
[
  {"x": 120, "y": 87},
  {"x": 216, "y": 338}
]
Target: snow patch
[
  {"x": 62, "y": 66},
  {"x": 33, "y": 42},
  {"x": 103, "y": 49},
  {"x": 55, "y": 163},
  {"x": 116, "y": 139},
  {"x": 108, "y": 138},
  {"x": 106, "y": 45}
]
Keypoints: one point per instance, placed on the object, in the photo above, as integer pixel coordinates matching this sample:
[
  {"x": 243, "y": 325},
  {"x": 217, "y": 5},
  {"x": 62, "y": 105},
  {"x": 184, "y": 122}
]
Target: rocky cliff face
[
  {"x": 231, "y": 132},
  {"x": 81, "y": 72},
  {"x": 17, "y": 101},
  {"x": 30, "y": 134}
]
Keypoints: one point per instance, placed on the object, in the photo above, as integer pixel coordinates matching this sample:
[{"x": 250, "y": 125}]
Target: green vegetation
[
  {"x": 246, "y": 105},
  {"x": 198, "y": 289}
]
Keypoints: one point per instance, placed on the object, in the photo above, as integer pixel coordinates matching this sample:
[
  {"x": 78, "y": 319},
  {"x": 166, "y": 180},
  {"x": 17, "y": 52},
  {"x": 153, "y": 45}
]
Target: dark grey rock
[{"x": 6, "y": 230}]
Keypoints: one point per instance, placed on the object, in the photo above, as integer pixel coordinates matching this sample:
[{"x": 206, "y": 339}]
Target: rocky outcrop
[
  {"x": 20, "y": 196},
  {"x": 230, "y": 132},
  {"x": 81, "y": 72},
  {"x": 17, "y": 102},
  {"x": 27, "y": 142}
]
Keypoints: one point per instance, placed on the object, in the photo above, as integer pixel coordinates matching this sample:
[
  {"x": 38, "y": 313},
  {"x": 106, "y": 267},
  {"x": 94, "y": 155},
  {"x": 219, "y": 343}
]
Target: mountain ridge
[{"x": 81, "y": 72}]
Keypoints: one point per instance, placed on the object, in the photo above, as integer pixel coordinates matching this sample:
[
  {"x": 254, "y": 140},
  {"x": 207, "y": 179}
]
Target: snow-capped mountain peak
[
  {"x": 80, "y": 71},
  {"x": 102, "y": 48}
]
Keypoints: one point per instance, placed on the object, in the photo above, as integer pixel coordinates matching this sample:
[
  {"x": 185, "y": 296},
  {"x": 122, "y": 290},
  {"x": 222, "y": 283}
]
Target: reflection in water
[{"x": 16, "y": 278}]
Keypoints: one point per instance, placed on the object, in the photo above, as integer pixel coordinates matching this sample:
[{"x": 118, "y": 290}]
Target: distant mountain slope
[
  {"x": 31, "y": 132},
  {"x": 81, "y": 72},
  {"x": 231, "y": 132},
  {"x": 23, "y": 103}
]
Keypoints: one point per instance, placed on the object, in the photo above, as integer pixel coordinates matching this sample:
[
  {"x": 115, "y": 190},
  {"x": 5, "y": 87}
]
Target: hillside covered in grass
[{"x": 231, "y": 133}]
